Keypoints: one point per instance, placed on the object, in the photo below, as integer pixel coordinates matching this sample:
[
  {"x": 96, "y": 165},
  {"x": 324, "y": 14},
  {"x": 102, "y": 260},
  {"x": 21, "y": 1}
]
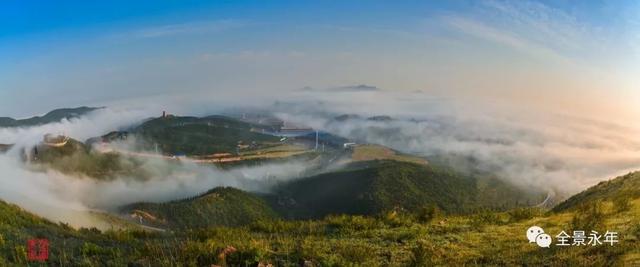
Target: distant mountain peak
[
  {"x": 55, "y": 115},
  {"x": 356, "y": 88},
  {"x": 348, "y": 88}
]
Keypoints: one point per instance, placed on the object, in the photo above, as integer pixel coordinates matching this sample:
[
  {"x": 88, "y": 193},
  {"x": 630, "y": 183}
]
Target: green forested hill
[
  {"x": 17, "y": 226},
  {"x": 53, "y": 116},
  {"x": 218, "y": 207},
  {"x": 376, "y": 186},
  {"x": 619, "y": 190},
  {"x": 76, "y": 158},
  {"x": 365, "y": 188},
  {"x": 199, "y": 136},
  {"x": 73, "y": 247},
  {"x": 397, "y": 238}
]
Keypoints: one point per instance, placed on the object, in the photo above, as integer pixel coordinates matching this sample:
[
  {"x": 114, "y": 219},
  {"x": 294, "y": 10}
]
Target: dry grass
[{"x": 377, "y": 152}]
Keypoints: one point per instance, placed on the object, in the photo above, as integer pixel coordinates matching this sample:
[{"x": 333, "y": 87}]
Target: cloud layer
[
  {"x": 69, "y": 198},
  {"x": 531, "y": 148},
  {"x": 527, "y": 147}
]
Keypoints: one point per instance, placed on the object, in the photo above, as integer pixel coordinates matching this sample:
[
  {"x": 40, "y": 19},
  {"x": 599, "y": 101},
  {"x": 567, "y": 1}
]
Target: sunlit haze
[{"x": 580, "y": 58}]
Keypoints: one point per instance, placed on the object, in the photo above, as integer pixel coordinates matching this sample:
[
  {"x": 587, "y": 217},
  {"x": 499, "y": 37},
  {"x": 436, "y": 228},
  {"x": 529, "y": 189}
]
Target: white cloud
[{"x": 534, "y": 149}]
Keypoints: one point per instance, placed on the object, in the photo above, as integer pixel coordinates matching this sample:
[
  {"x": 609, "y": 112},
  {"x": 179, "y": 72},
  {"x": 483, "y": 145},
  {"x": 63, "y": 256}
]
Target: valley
[{"x": 351, "y": 203}]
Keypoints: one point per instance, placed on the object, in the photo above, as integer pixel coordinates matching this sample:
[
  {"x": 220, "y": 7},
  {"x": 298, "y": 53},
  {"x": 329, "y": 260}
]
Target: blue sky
[{"x": 539, "y": 53}]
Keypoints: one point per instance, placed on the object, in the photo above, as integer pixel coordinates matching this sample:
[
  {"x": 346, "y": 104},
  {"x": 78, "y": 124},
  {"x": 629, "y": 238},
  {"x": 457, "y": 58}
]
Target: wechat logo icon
[{"x": 535, "y": 234}]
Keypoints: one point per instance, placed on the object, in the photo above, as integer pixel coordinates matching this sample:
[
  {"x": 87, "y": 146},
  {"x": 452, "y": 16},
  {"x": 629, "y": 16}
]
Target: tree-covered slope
[
  {"x": 376, "y": 186},
  {"x": 394, "y": 239},
  {"x": 76, "y": 158},
  {"x": 199, "y": 136},
  {"x": 75, "y": 247},
  {"x": 618, "y": 190},
  {"x": 17, "y": 226},
  {"x": 53, "y": 116},
  {"x": 222, "y": 206}
]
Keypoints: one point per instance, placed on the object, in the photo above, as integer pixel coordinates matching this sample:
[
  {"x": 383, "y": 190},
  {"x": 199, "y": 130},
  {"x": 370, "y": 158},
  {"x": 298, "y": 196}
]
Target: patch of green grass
[{"x": 333, "y": 241}]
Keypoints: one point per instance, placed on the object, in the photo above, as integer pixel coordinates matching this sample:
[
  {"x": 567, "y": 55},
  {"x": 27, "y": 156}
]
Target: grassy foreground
[{"x": 391, "y": 239}]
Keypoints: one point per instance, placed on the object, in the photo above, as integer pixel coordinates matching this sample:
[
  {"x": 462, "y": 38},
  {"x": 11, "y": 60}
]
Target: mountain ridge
[{"x": 55, "y": 115}]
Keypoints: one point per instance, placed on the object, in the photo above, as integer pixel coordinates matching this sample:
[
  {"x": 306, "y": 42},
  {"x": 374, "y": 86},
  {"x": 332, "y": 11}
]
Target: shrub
[
  {"x": 200, "y": 253},
  {"x": 621, "y": 204},
  {"x": 356, "y": 252},
  {"x": 20, "y": 254},
  {"x": 249, "y": 254},
  {"x": 485, "y": 217},
  {"x": 351, "y": 223},
  {"x": 635, "y": 230},
  {"x": 397, "y": 218},
  {"x": 428, "y": 213},
  {"x": 521, "y": 214},
  {"x": 90, "y": 249},
  {"x": 588, "y": 216},
  {"x": 422, "y": 254}
]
